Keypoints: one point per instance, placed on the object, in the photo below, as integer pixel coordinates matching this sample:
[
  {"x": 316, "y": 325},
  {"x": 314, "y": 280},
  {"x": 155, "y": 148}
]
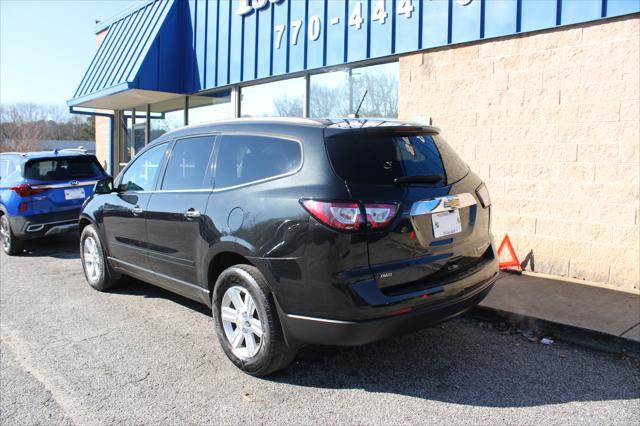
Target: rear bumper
[
  {"x": 38, "y": 226},
  {"x": 322, "y": 331}
]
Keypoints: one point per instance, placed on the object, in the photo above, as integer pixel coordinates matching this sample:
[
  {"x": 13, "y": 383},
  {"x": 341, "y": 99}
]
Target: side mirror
[{"x": 104, "y": 186}]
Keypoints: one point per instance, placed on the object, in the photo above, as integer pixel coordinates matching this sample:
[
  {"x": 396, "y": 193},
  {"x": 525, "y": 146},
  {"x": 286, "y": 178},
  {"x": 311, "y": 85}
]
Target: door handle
[
  {"x": 137, "y": 210},
  {"x": 192, "y": 214}
]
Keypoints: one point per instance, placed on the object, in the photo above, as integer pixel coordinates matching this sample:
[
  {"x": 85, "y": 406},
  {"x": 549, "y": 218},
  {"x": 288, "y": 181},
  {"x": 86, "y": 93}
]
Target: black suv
[{"x": 298, "y": 231}]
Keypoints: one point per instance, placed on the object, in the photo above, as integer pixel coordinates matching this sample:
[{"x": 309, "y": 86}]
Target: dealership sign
[{"x": 247, "y": 6}]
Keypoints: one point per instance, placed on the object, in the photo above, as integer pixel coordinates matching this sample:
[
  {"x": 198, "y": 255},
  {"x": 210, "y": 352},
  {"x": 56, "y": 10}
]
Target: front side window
[
  {"x": 247, "y": 158},
  {"x": 141, "y": 175},
  {"x": 188, "y": 166},
  {"x": 63, "y": 168}
]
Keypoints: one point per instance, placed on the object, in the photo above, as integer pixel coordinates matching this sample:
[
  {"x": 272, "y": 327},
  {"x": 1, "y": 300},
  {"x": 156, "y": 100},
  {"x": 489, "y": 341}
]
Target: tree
[
  {"x": 288, "y": 106},
  {"x": 23, "y": 125},
  {"x": 381, "y": 95}
]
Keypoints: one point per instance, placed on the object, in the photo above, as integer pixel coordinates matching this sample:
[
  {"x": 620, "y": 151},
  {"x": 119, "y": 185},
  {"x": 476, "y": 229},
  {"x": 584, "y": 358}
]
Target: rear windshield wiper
[{"x": 419, "y": 179}]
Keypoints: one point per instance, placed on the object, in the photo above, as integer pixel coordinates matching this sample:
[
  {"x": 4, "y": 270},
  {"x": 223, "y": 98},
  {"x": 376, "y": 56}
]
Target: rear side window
[
  {"x": 188, "y": 166},
  {"x": 248, "y": 158},
  {"x": 63, "y": 168},
  {"x": 381, "y": 158},
  {"x": 5, "y": 166}
]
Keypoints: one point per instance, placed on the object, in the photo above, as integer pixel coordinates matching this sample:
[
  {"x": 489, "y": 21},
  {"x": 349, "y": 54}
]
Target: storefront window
[
  {"x": 129, "y": 145},
  {"x": 202, "y": 109},
  {"x": 339, "y": 93},
  {"x": 208, "y": 113},
  {"x": 281, "y": 98},
  {"x": 172, "y": 120}
]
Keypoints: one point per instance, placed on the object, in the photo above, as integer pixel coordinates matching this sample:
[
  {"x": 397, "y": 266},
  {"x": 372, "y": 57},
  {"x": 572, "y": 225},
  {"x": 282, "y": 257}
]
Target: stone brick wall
[
  {"x": 551, "y": 121},
  {"x": 102, "y": 131}
]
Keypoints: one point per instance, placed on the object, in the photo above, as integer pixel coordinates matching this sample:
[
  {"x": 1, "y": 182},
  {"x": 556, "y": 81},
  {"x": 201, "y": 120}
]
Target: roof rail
[{"x": 14, "y": 153}]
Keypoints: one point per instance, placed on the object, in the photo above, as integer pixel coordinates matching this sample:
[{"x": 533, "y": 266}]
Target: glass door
[{"x": 133, "y": 142}]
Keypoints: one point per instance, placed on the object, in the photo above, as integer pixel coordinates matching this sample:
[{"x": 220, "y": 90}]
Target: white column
[
  {"x": 307, "y": 96},
  {"x": 147, "y": 131},
  {"x": 235, "y": 101}
]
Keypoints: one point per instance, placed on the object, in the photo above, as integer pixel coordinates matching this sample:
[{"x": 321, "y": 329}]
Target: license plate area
[
  {"x": 446, "y": 223},
  {"x": 440, "y": 217},
  {"x": 73, "y": 193}
]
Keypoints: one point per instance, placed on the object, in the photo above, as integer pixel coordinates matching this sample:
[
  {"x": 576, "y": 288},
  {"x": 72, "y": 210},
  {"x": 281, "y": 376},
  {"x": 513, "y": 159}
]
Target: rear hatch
[
  {"x": 61, "y": 183},
  {"x": 440, "y": 232}
]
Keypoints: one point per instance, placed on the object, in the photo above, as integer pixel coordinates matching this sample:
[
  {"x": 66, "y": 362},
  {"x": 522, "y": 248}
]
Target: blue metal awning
[{"x": 129, "y": 66}]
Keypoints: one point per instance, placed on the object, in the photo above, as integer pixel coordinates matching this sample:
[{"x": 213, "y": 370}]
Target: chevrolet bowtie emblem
[{"x": 451, "y": 203}]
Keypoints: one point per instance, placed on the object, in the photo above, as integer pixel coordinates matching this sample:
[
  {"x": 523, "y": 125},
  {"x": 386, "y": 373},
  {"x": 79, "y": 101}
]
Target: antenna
[{"x": 360, "y": 104}]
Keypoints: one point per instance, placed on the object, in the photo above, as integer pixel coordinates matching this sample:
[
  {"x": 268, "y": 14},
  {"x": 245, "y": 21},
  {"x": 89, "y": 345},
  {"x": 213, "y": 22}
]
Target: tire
[
  {"x": 10, "y": 243},
  {"x": 271, "y": 352},
  {"x": 94, "y": 262}
]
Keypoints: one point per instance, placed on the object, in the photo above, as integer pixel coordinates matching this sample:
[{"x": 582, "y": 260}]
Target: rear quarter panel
[{"x": 266, "y": 223}]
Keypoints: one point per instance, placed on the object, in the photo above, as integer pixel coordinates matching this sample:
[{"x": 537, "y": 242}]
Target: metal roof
[{"x": 123, "y": 60}]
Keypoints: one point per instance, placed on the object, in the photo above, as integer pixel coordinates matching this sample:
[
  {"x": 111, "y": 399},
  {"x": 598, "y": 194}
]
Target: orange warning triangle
[{"x": 514, "y": 262}]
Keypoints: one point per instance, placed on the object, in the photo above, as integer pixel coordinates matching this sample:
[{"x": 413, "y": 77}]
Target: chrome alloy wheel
[
  {"x": 91, "y": 258},
  {"x": 5, "y": 235},
  {"x": 241, "y": 322}
]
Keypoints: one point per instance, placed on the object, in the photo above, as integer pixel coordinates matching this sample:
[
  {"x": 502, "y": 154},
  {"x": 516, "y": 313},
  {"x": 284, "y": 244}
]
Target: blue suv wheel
[{"x": 10, "y": 244}]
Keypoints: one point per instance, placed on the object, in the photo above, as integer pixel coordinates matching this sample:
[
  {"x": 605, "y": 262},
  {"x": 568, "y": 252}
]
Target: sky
[{"x": 47, "y": 45}]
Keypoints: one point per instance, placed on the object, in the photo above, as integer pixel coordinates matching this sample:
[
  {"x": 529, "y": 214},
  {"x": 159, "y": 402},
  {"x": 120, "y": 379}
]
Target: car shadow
[
  {"x": 134, "y": 287},
  {"x": 462, "y": 361},
  {"x": 64, "y": 246}
]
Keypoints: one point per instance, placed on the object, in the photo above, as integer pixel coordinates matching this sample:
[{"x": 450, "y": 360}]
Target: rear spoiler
[{"x": 404, "y": 130}]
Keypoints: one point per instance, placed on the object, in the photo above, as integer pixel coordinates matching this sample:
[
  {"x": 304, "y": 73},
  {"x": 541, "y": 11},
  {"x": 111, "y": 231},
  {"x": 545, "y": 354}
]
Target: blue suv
[{"x": 41, "y": 193}]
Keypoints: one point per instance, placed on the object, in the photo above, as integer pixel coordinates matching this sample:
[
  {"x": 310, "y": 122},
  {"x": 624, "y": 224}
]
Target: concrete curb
[{"x": 567, "y": 333}]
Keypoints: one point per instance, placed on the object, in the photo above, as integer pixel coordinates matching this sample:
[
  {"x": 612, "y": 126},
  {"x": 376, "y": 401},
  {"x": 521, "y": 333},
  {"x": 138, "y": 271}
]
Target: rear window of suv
[
  {"x": 63, "y": 168},
  {"x": 381, "y": 158}
]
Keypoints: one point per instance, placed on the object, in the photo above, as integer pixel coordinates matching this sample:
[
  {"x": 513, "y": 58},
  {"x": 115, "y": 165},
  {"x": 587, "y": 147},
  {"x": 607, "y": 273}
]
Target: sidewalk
[{"x": 605, "y": 318}]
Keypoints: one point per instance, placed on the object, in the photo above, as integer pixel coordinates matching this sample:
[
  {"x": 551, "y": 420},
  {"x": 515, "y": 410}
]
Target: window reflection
[
  {"x": 172, "y": 120},
  {"x": 339, "y": 93},
  {"x": 207, "y": 113},
  {"x": 281, "y": 98},
  {"x": 202, "y": 109}
]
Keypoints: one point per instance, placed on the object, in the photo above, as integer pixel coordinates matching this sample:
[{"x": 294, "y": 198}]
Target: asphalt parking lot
[{"x": 71, "y": 355}]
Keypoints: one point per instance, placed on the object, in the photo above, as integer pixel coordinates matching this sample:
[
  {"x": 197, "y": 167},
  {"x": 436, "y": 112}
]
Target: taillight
[
  {"x": 25, "y": 190},
  {"x": 348, "y": 216},
  {"x": 345, "y": 216},
  {"x": 379, "y": 215}
]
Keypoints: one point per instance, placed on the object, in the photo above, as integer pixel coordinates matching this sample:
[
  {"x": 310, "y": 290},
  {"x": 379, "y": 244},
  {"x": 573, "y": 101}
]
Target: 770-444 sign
[
  {"x": 247, "y": 6},
  {"x": 379, "y": 15}
]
